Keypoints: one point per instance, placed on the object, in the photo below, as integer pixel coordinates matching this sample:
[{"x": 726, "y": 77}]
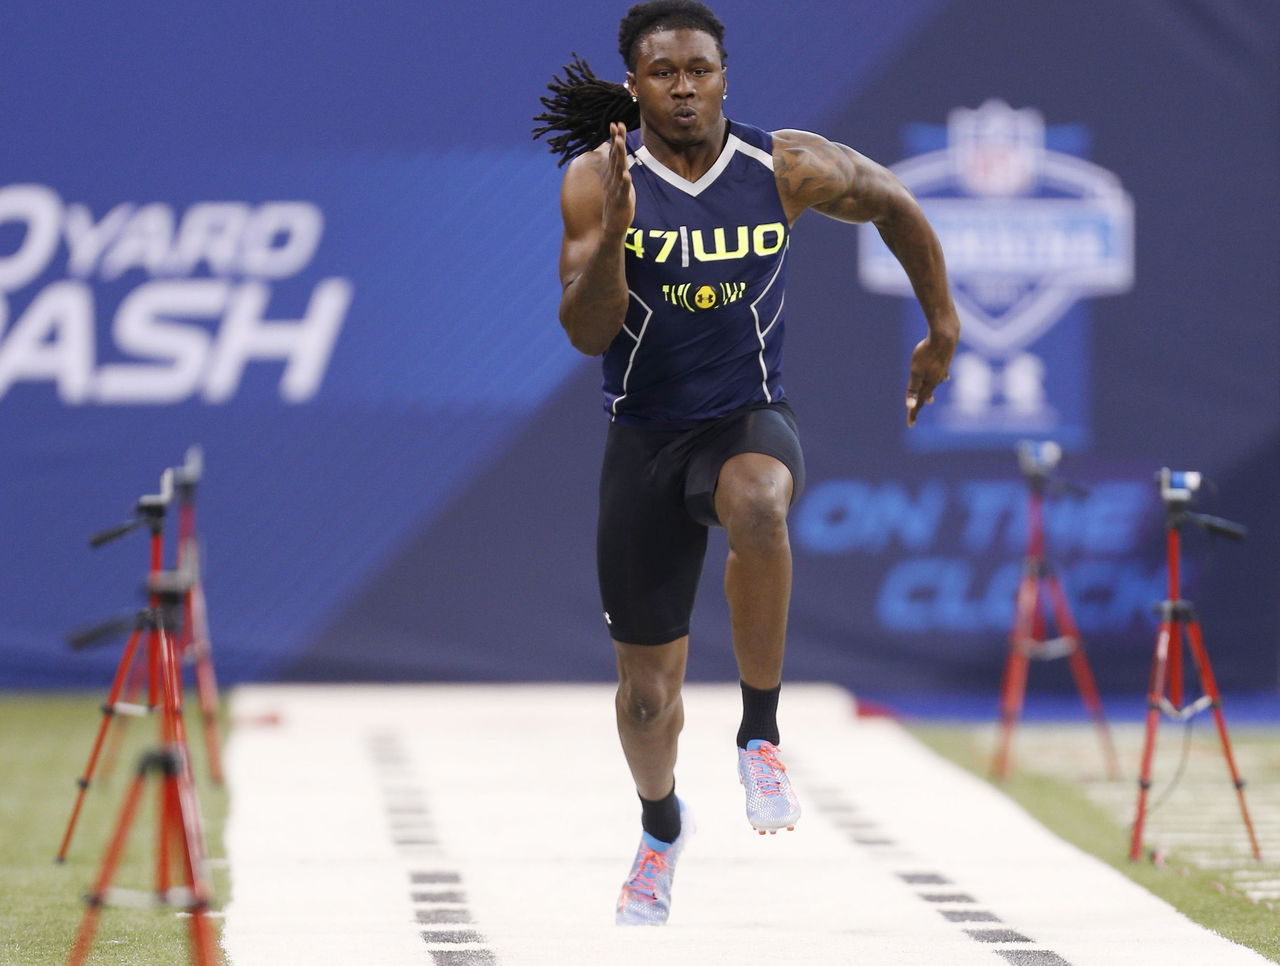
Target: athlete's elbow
[
  {"x": 585, "y": 341},
  {"x": 588, "y": 347}
]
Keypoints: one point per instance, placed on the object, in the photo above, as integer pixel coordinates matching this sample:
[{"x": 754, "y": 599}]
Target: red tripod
[
  {"x": 151, "y": 511},
  {"x": 180, "y": 846},
  {"x": 1040, "y": 596},
  {"x": 1165, "y": 692},
  {"x": 194, "y": 643}
]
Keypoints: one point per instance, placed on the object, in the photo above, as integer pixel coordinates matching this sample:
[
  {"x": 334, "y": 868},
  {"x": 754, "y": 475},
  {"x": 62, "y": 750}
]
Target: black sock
[
  {"x": 661, "y": 819},
  {"x": 759, "y": 714}
]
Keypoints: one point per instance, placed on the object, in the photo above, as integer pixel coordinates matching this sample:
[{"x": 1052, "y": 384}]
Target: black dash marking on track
[
  {"x": 997, "y": 936},
  {"x": 842, "y": 813},
  {"x": 455, "y": 936},
  {"x": 969, "y": 915},
  {"x": 463, "y": 957},
  {"x": 1032, "y": 957},
  {"x": 409, "y": 822},
  {"x": 450, "y": 895},
  {"x": 445, "y": 916}
]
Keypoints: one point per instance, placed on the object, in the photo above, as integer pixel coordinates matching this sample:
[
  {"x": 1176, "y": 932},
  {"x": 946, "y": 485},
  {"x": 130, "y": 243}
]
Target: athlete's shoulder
[
  {"x": 592, "y": 161},
  {"x": 800, "y": 143},
  {"x": 810, "y": 169}
]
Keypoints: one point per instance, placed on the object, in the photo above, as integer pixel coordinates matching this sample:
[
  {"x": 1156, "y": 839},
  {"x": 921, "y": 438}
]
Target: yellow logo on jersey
[{"x": 700, "y": 298}]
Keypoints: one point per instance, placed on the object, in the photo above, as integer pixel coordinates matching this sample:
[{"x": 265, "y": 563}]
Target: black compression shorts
[{"x": 657, "y": 499}]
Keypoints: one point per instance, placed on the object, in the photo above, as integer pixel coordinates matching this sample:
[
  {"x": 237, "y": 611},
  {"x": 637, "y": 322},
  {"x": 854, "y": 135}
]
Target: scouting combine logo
[{"x": 1029, "y": 228}]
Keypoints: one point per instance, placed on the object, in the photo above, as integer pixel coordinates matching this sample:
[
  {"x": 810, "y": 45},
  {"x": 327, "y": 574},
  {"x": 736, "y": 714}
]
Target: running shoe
[
  {"x": 645, "y": 899},
  {"x": 771, "y": 802}
]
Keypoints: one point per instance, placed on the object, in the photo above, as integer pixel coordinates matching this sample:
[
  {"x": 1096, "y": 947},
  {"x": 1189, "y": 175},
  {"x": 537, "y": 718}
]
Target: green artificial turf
[
  {"x": 44, "y": 746},
  {"x": 1053, "y": 790}
]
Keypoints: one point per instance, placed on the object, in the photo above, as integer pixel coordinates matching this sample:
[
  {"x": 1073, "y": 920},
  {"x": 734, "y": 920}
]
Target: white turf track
[{"x": 492, "y": 826}]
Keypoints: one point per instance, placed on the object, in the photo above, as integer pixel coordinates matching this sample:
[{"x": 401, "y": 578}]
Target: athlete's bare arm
[
  {"x": 837, "y": 181},
  {"x": 597, "y": 203}
]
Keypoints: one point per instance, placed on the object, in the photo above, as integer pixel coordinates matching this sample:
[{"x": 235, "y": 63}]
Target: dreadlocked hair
[{"x": 581, "y": 108}]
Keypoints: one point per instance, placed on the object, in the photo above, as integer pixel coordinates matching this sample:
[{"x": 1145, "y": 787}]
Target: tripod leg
[
  {"x": 115, "y": 848},
  {"x": 206, "y": 681},
  {"x": 164, "y": 835},
  {"x": 1201, "y": 658},
  {"x": 111, "y": 754},
  {"x": 1175, "y": 688},
  {"x": 181, "y": 823},
  {"x": 189, "y": 835},
  {"x": 1013, "y": 684},
  {"x": 154, "y": 684},
  {"x": 1155, "y": 691},
  {"x": 108, "y": 713},
  {"x": 1082, "y": 673}
]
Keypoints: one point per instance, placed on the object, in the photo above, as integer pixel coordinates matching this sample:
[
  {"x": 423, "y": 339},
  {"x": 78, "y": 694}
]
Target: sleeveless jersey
[{"x": 705, "y": 272}]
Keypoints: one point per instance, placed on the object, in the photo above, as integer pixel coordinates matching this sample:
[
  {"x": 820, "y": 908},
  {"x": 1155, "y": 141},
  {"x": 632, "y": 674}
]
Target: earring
[
  {"x": 634, "y": 98},
  {"x": 724, "y": 96}
]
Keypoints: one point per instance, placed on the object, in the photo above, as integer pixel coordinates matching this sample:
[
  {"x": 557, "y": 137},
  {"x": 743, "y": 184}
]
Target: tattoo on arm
[{"x": 811, "y": 174}]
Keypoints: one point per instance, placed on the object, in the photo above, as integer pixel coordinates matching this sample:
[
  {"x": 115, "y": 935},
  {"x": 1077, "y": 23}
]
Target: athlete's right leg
[
  {"x": 649, "y": 556},
  {"x": 650, "y": 716},
  {"x": 650, "y": 712}
]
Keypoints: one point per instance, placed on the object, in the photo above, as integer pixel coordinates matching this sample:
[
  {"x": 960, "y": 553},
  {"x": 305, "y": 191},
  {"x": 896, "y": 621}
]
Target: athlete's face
[{"x": 679, "y": 83}]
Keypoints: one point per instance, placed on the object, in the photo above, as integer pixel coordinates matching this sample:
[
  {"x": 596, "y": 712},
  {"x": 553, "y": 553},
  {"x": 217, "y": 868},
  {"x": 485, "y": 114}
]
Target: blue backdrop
[{"x": 317, "y": 240}]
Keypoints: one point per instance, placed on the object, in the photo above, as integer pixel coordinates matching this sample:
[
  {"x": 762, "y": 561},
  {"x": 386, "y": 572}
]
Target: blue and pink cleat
[{"x": 771, "y": 801}]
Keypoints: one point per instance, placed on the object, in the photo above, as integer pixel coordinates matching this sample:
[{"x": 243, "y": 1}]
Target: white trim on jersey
[
  {"x": 776, "y": 315},
  {"x": 751, "y": 151},
  {"x": 760, "y": 334},
  {"x": 631, "y": 360},
  {"x": 732, "y": 145}
]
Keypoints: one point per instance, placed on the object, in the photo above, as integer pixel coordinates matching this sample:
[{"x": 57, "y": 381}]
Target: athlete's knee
[
  {"x": 754, "y": 513},
  {"x": 753, "y": 495},
  {"x": 645, "y": 699}
]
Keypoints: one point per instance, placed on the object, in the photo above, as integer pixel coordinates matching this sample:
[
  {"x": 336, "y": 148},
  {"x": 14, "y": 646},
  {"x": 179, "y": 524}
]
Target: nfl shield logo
[{"x": 996, "y": 149}]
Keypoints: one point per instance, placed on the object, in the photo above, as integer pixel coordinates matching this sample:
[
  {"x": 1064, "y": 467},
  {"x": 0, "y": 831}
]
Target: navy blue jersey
[{"x": 705, "y": 271}]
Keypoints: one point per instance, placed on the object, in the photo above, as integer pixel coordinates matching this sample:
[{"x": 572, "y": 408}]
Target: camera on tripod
[
  {"x": 1038, "y": 458},
  {"x": 1178, "y": 486}
]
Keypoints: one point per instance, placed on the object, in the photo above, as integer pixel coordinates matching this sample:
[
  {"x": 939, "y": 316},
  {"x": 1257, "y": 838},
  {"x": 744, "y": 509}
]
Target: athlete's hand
[
  {"x": 619, "y": 194},
  {"x": 930, "y": 362}
]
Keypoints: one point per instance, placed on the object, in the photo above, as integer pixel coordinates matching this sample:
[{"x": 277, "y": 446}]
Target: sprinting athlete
[{"x": 676, "y": 227}]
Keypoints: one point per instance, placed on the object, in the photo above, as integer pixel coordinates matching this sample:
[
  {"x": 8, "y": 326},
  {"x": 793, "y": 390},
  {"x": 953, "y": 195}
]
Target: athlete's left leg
[{"x": 753, "y": 493}]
